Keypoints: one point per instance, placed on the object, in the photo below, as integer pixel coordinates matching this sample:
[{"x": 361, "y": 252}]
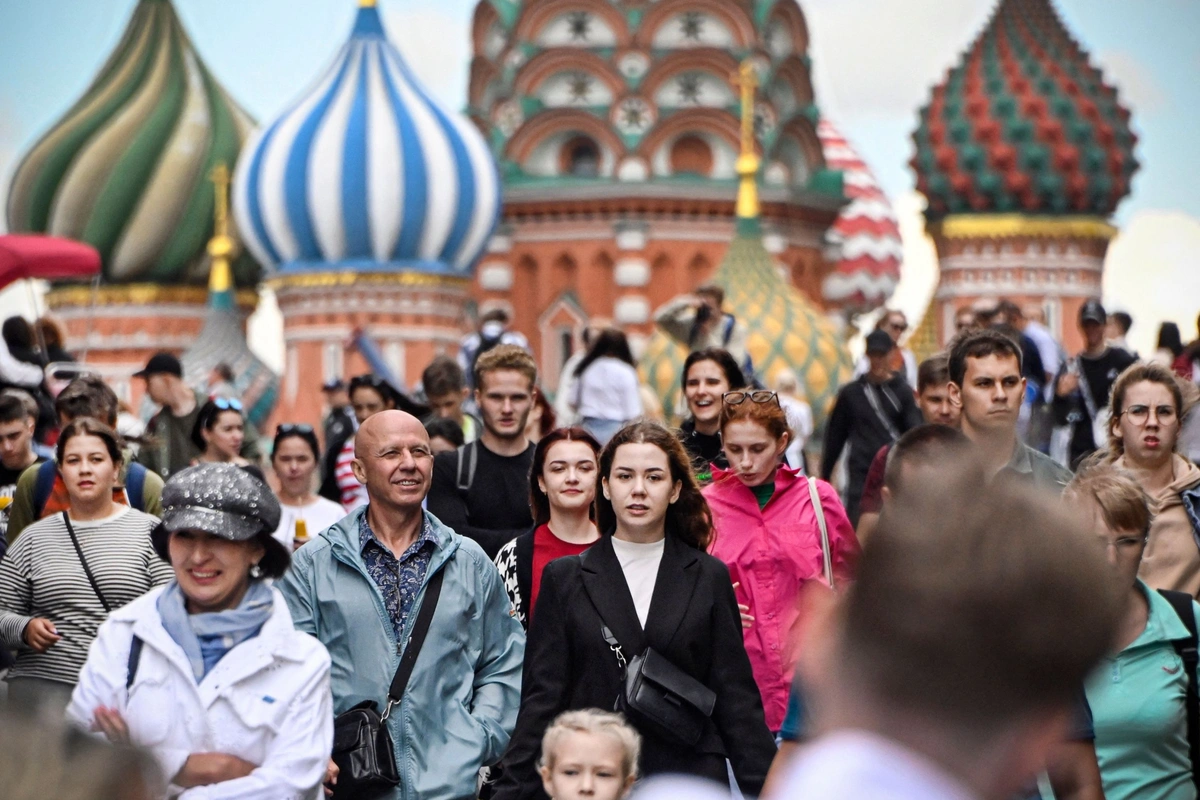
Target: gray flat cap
[{"x": 220, "y": 499}]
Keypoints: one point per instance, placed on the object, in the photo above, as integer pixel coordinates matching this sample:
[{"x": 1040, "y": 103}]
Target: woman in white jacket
[{"x": 207, "y": 673}]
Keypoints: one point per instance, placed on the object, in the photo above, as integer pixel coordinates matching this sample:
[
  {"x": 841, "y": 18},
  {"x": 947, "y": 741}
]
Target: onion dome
[
  {"x": 221, "y": 340},
  {"x": 865, "y": 237},
  {"x": 1024, "y": 124},
  {"x": 783, "y": 329},
  {"x": 593, "y": 92},
  {"x": 126, "y": 169},
  {"x": 367, "y": 172}
]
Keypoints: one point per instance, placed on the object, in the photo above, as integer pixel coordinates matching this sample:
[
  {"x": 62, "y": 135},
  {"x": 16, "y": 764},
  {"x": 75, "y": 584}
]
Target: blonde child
[{"x": 589, "y": 754}]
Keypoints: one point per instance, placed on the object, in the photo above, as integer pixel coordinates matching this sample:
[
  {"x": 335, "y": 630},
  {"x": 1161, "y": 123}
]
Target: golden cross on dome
[
  {"x": 220, "y": 246},
  {"x": 748, "y": 161},
  {"x": 366, "y": 3}
]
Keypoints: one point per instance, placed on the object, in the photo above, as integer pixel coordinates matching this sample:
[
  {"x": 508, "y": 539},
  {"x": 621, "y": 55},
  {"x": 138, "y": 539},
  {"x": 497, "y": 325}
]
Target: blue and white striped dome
[{"x": 367, "y": 172}]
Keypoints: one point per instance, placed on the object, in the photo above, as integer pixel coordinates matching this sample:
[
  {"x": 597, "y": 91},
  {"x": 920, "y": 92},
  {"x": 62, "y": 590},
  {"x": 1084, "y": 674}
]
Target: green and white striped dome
[{"x": 126, "y": 169}]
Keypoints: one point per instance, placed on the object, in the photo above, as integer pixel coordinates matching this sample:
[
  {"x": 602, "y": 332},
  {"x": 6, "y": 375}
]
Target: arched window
[
  {"x": 581, "y": 158},
  {"x": 691, "y": 155}
]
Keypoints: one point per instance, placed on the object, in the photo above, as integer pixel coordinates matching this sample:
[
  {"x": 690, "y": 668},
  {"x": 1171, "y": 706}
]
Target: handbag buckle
[
  {"x": 613, "y": 645},
  {"x": 387, "y": 709}
]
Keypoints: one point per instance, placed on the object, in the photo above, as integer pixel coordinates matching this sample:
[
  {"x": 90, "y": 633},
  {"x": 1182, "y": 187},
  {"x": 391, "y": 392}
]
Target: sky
[{"x": 874, "y": 62}]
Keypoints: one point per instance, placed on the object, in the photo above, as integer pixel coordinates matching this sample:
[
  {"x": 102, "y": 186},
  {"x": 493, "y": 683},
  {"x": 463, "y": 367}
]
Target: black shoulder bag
[
  {"x": 86, "y": 569},
  {"x": 362, "y": 745},
  {"x": 1187, "y": 650},
  {"x": 661, "y": 695}
]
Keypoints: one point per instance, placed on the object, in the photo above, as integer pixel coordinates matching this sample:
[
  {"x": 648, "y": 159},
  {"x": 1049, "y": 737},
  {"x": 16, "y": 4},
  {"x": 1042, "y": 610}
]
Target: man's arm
[
  {"x": 1074, "y": 772},
  {"x": 18, "y": 372},
  {"x": 676, "y": 317},
  {"x": 20, "y": 512},
  {"x": 835, "y": 435},
  {"x": 908, "y": 408},
  {"x": 295, "y": 587}
]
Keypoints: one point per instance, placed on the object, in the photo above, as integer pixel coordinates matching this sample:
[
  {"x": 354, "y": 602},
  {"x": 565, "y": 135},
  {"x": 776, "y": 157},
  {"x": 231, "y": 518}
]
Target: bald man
[{"x": 359, "y": 587}]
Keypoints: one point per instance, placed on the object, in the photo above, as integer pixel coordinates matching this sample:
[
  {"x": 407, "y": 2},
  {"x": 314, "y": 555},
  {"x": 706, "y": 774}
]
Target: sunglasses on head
[
  {"x": 756, "y": 396},
  {"x": 288, "y": 428},
  {"x": 227, "y": 403}
]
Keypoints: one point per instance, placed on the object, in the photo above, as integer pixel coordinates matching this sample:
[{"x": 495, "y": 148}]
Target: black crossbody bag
[
  {"x": 362, "y": 745},
  {"x": 661, "y": 695},
  {"x": 86, "y": 569}
]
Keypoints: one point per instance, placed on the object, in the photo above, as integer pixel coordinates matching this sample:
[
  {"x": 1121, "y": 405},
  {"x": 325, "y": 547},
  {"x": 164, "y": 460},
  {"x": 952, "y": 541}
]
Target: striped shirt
[
  {"x": 41, "y": 576},
  {"x": 353, "y": 493}
]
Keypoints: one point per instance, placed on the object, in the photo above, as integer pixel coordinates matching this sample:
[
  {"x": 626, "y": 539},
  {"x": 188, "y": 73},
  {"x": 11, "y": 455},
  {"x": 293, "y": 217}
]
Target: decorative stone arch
[
  {"x": 562, "y": 120},
  {"x": 732, "y": 15},
  {"x": 482, "y": 74},
  {"x": 703, "y": 121},
  {"x": 481, "y": 23},
  {"x": 552, "y": 62},
  {"x": 804, "y": 134},
  {"x": 789, "y": 15},
  {"x": 560, "y": 330},
  {"x": 700, "y": 59},
  {"x": 536, "y": 16},
  {"x": 796, "y": 73}
]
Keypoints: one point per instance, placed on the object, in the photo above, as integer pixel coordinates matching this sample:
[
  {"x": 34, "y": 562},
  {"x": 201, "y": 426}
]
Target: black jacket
[
  {"x": 858, "y": 419},
  {"x": 515, "y": 562},
  {"x": 693, "y": 622}
]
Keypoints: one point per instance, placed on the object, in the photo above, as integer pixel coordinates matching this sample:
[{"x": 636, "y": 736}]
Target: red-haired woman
[
  {"x": 769, "y": 534},
  {"x": 562, "y": 489},
  {"x": 646, "y": 588}
]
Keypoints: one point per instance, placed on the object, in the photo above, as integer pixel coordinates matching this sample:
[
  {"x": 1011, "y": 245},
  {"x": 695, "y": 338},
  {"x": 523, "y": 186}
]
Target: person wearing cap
[
  {"x": 338, "y": 425},
  {"x": 208, "y": 674},
  {"x": 67, "y": 572},
  {"x": 902, "y": 360},
  {"x": 493, "y": 331},
  {"x": 1083, "y": 384},
  {"x": 170, "y": 430},
  {"x": 358, "y": 587},
  {"x": 872, "y": 410}
]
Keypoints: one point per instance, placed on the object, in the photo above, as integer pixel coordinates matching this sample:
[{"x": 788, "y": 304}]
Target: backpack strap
[
  {"x": 135, "y": 657},
  {"x": 466, "y": 458},
  {"x": 47, "y": 472},
  {"x": 135, "y": 486},
  {"x": 1187, "y": 650},
  {"x": 819, "y": 510}
]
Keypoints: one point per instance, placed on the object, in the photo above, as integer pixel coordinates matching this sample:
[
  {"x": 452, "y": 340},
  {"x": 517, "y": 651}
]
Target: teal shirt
[{"x": 1137, "y": 698}]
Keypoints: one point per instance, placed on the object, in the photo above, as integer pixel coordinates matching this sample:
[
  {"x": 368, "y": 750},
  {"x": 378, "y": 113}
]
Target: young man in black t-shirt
[
  {"x": 1082, "y": 386},
  {"x": 18, "y": 416},
  {"x": 481, "y": 490}
]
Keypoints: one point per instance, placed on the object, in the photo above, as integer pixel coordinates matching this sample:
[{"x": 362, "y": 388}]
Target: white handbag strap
[{"x": 820, "y": 512}]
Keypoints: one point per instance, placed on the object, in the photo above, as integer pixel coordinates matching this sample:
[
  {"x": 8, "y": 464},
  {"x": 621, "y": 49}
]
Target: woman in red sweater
[{"x": 562, "y": 491}]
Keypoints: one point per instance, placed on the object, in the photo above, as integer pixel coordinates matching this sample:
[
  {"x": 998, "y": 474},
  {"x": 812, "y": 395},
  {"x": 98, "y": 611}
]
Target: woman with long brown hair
[
  {"x": 646, "y": 589},
  {"x": 562, "y": 493}
]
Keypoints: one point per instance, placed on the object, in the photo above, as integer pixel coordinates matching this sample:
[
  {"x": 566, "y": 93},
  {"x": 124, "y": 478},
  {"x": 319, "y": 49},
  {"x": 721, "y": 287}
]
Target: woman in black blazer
[{"x": 650, "y": 566}]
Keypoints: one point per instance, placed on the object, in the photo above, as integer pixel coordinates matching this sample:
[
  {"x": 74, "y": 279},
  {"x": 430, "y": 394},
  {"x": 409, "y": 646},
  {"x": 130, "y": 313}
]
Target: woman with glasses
[
  {"x": 1139, "y": 693},
  {"x": 294, "y": 457},
  {"x": 220, "y": 432},
  {"x": 775, "y": 530},
  {"x": 1147, "y": 410}
]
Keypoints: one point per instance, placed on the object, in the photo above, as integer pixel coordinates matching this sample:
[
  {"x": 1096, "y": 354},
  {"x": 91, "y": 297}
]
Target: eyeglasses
[
  {"x": 1140, "y": 415},
  {"x": 757, "y": 396},
  {"x": 227, "y": 403},
  {"x": 898, "y": 326},
  {"x": 288, "y": 428}
]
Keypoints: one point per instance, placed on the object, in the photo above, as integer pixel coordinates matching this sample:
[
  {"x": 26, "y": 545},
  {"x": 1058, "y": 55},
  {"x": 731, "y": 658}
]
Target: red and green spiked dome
[{"x": 1024, "y": 124}]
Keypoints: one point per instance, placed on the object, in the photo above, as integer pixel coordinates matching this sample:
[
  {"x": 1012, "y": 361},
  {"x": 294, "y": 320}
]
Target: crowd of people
[{"x": 980, "y": 585}]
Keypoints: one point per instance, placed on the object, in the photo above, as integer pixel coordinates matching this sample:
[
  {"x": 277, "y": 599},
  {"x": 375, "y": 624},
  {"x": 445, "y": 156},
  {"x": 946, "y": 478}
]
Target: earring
[{"x": 256, "y": 571}]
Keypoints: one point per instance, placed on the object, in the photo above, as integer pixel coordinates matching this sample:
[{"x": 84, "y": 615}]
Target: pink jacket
[{"x": 771, "y": 553}]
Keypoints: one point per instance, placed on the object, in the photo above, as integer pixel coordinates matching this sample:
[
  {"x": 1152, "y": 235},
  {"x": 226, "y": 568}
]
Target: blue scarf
[{"x": 206, "y": 638}]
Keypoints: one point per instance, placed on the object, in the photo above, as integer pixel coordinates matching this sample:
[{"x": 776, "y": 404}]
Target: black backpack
[
  {"x": 485, "y": 343},
  {"x": 1187, "y": 650}
]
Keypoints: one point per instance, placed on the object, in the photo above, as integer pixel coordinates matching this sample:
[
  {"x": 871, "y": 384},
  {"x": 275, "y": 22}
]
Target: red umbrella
[{"x": 45, "y": 257}]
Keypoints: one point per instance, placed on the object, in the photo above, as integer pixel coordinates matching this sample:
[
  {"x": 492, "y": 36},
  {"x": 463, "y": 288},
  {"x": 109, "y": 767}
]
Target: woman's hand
[
  {"x": 110, "y": 722},
  {"x": 205, "y": 769},
  {"x": 40, "y": 634},
  {"x": 744, "y": 610},
  {"x": 331, "y": 775}
]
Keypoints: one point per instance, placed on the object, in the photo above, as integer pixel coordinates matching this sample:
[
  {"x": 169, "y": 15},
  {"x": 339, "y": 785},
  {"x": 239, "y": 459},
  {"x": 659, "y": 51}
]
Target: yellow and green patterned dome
[
  {"x": 126, "y": 168},
  {"x": 784, "y": 330}
]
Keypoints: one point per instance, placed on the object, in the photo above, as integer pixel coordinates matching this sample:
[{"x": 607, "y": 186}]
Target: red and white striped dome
[{"x": 865, "y": 238}]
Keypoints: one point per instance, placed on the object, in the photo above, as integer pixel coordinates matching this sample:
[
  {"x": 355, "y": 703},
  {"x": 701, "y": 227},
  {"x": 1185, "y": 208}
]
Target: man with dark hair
[
  {"x": 987, "y": 386},
  {"x": 446, "y": 390},
  {"x": 933, "y": 398},
  {"x": 870, "y": 412},
  {"x": 1117, "y": 331},
  {"x": 481, "y": 490},
  {"x": 924, "y": 449},
  {"x": 945, "y": 675},
  {"x": 18, "y": 416},
  {"x": 1083, "y": 384},
  {"x": 337, "y": 428},
  {"x": 40, "y": 490}
]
